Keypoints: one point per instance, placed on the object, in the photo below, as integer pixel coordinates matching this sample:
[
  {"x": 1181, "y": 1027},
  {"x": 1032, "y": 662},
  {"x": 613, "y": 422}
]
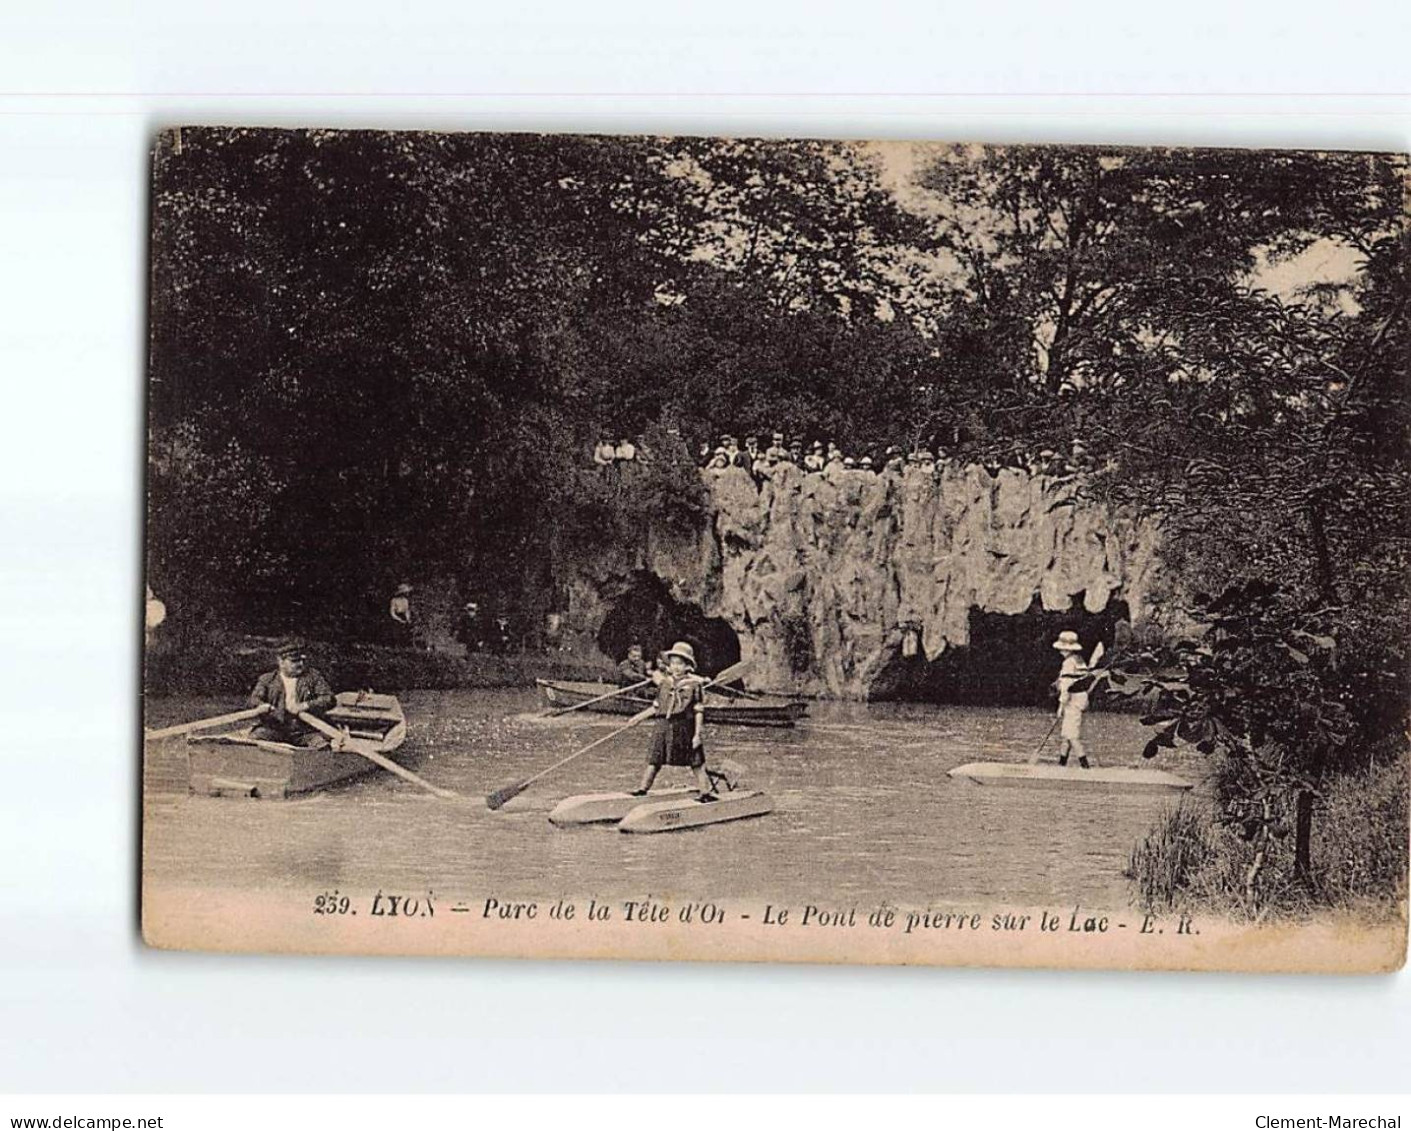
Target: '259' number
[{"x": 332, "y": 903}]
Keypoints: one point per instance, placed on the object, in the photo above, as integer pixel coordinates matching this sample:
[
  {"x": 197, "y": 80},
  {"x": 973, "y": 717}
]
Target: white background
[{"x": 83, "y": 87}]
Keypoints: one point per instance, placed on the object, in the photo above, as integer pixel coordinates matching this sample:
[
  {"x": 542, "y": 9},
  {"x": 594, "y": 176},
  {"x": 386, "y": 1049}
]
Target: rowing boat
[
  {"x": 240, "y": 765},
  {"x": 756, "y": 711},
  {"x": 1048, "y": 775},
  {"x": 604, "y": 808},
  {"x": 688, "y": 813}
]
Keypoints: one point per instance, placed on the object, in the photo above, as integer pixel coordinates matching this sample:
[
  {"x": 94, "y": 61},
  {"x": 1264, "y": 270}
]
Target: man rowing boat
[
  {"x": 1071, "y": 704},
  {"x": 679, "y": 738},
  {"x": 633, "y": 669},
  {"x": 291, "y": 689}
]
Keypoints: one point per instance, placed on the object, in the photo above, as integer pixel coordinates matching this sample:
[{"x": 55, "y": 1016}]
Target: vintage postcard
[{"x": 777, "y": 550}]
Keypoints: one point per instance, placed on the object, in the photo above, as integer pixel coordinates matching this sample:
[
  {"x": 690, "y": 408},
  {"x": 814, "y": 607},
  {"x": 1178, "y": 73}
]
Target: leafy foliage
[{"x": 1264, "y": 691}]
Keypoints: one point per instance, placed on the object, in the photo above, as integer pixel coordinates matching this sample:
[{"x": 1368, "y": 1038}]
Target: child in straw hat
[
  {"x": 1071, "y": 704},
  {"x": 678, "y": 739}
]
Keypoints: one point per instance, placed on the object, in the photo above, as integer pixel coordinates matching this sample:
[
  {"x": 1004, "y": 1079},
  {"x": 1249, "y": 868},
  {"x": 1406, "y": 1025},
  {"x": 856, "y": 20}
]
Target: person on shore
[
  {"x": 399, "y": 610},
  {"x": 604, "y": 453},
  {"x": 814, "y": 461},
  {"x": 1071, "y": 704},
  {"x": 293, "y": 688},
  {"x": 633, "y": 669},
  {"x": 679, "y": 737},
  {"x": 625, "y": 451},
  {"x": 470, "y": 631},
  {"x": 154, "y": 613}
]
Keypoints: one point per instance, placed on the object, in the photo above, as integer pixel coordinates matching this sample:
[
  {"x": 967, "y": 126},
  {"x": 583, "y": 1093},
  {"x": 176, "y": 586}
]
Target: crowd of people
[
  {"x": 830, "y": 459},
  {"x": 610, "y": 454}
]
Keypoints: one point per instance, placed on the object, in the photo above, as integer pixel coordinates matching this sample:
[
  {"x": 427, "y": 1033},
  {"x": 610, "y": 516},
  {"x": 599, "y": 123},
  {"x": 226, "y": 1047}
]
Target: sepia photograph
[{"x": 777, "y": 550}]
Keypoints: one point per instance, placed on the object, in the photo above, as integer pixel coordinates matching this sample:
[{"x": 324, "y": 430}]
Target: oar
[
  {"x": 1034, "y": 757},
  {"x": 599, "y": 699},
  {"x": 202, "y": 724},
  {"x": 509, "y": 792},
  {"x": 352, "y": 745}
]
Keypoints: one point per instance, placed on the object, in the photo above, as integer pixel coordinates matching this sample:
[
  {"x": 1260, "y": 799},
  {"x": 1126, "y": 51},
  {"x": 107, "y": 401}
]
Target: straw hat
[
  {"x": 685, "y": 651},
  {"x": 403, "y": 590},
  {"x": 1068, "y": 642}
]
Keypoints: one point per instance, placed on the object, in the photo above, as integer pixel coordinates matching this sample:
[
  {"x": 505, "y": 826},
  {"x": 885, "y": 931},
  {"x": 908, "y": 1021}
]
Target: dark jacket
[{"x": 311, "y": 687}]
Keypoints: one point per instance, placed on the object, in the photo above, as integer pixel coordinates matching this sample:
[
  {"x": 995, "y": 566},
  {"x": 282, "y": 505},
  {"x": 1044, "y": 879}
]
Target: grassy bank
[{"x": 1191, "y": 862}]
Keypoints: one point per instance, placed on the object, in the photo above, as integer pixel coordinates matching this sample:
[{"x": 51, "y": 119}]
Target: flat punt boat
[
  {"x": 688, "y": 813},
  {"x": 720, "y": 709},
  {"x": 606, "y": 808},
  {"x": 1049, "y": 775},
  {"x": 238, "y": 765}
]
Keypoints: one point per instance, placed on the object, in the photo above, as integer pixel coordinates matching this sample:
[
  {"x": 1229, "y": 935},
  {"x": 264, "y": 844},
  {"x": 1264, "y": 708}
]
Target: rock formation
[{"x": 828, "y": 579}]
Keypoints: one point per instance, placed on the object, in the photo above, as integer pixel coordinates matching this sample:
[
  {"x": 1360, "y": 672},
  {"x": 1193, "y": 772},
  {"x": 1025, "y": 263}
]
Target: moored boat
[
  {"x": 604, "y": 808},
  {"x": 239, "y": 765},
  {"x": 1049, "y": 775},
  {"x": 688, "y": 813},
  {"x": 722, "y": 709}
]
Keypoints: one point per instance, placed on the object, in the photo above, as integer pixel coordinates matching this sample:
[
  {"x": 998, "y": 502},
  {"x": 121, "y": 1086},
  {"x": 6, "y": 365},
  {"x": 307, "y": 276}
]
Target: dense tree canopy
[{"x": 374, "y": 350}]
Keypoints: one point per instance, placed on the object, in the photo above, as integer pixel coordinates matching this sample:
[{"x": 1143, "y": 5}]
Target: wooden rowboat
[
  {"x": 607, "y": 808},
  {"x": 1048, "y": 775},
  {"x": 688, "y": 813},
  {"x": 720, "y": 709},
  {"x": 238, "y": 765}
]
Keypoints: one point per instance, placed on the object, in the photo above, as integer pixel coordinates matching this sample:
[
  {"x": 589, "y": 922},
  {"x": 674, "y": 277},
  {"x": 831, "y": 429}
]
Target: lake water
[{"x": 864, "y": 811}]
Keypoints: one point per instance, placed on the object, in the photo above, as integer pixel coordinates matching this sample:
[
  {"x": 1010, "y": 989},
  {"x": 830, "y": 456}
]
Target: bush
[
  {"x": 1191, "y": 861},
  {"x": 1360, "y": 848},
  {"x": 1164, "y": 863}
]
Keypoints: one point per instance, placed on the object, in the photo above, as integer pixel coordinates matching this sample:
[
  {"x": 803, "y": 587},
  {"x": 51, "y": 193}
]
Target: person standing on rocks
[{"x": 1071, "y": 704}]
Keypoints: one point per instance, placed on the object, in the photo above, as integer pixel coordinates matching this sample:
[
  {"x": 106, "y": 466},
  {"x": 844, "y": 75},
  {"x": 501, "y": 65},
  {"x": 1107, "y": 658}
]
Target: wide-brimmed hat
[
  {"x": 685, "y": 651},
  {"x": 403, "y": 589},
  {"x": 1068, "y": 642},
  {"x": 289, "y": 646}
]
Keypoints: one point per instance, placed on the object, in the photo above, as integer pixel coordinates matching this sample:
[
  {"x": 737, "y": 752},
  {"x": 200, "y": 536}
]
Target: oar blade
[
  {"x": 733, "y": 672},
  {"x": 506, "y": 793}
]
